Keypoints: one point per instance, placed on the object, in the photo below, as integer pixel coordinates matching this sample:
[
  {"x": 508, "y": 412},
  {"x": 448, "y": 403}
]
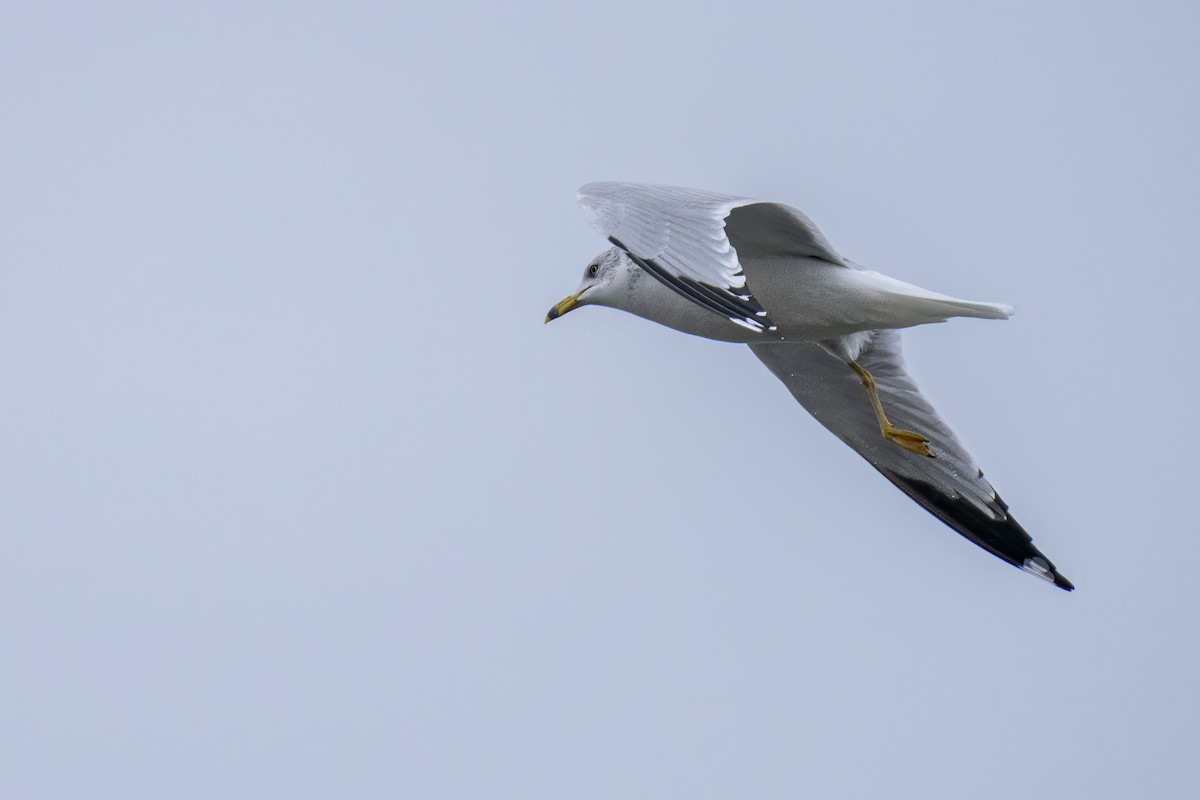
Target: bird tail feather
[{"x": 930, "y": 306}]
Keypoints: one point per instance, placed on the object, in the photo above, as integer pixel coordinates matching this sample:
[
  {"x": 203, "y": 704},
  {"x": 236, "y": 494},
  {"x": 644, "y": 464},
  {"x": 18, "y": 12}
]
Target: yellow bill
[{"x": 564, "y": 305}]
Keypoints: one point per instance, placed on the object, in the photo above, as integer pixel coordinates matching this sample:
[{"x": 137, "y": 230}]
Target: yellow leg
[{"x": 909, "y": 440}]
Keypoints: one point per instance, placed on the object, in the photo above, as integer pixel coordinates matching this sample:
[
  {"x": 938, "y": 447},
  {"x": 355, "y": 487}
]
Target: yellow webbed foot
[{"x": 909, "y": 440}]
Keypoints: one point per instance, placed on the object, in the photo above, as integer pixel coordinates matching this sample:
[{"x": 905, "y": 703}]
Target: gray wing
[
  {"x": 679, "y": 236},
  {"x": 950, "y": 485}
]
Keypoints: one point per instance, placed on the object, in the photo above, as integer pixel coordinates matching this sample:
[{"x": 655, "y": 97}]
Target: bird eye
[{"x": 593, "y": 269}]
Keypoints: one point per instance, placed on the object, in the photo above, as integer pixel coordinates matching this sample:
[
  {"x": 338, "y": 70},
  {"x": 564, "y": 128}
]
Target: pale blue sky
[{"x": 300, "y": 499}]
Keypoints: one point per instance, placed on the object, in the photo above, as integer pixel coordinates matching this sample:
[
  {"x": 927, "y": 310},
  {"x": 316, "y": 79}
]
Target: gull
[{"x": 760, "y": 273}]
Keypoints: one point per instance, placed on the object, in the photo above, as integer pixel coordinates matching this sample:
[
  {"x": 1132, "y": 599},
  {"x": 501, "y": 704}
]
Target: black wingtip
[
  {"x": 1040, "y": 567},
  {"x": 1001, "y": 536}
]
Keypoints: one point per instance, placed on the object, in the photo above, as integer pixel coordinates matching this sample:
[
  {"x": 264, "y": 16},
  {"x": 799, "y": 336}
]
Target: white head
[{"x": 608, "y": 280}]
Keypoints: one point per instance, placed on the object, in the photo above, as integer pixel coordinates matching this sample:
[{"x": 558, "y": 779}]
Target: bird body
[
  {"x": 761, "y": 273},
  {"x": 811, "y": 300}
]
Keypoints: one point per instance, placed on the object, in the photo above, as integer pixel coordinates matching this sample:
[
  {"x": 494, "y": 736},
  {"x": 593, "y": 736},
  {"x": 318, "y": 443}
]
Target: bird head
[{"x": 603, "y": 283}]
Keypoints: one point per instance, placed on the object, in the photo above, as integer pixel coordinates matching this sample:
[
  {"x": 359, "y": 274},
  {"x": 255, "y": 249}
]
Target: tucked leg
[{"x": 909, "y": 440}]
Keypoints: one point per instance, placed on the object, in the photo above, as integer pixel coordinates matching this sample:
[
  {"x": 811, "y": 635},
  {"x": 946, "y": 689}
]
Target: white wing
[
  {"x": 950, "y": 485},
  {"x": 679, "y": 236}
]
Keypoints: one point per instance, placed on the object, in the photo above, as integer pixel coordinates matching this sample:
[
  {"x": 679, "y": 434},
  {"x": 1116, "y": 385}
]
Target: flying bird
[{"x": 760, "y": 273}]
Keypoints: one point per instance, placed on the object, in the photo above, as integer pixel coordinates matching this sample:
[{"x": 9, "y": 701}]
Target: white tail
[
  {"x": 970, "y": 308},
  {"x": 921, "y": 305}
]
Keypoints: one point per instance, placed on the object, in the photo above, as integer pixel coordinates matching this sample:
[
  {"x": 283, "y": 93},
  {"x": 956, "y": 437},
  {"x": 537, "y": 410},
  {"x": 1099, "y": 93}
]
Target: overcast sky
[{"x": 299, "y": 498}]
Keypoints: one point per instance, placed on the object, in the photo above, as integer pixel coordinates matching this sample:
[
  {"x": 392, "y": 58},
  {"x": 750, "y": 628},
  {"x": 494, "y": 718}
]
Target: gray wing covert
[{"x": 680, "y": 237}]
